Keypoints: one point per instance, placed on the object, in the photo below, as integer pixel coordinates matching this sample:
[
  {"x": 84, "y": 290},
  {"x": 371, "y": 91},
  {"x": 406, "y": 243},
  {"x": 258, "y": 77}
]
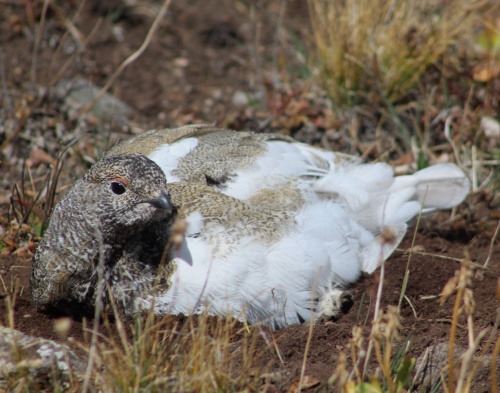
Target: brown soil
[
  {"x": 199, "y": 58},
  {"x": 425, "y": 321}
]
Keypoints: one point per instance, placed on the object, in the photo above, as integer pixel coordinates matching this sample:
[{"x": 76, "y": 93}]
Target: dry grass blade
[
  {"x": 70, "y": 60},
  {"x": 494, "y": 359},
  {"x": 197, "y": 354},
  {"x": 129, "y": 60},
  {"x": 6, "y": 96},
  {"x": 493, "y": 240},
  {"x": 364, "y": 45},
  {"x": 306, "y": 353},
  {"x": 38, "y": 40}
]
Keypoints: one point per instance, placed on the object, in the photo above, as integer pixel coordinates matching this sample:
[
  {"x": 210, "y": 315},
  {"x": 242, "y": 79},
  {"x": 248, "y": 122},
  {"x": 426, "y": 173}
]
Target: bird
[{"x": 252, "y": 225}]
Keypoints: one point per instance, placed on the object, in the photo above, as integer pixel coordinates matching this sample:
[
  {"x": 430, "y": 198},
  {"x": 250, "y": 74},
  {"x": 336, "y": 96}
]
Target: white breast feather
[{"x": 278, "y": 282}]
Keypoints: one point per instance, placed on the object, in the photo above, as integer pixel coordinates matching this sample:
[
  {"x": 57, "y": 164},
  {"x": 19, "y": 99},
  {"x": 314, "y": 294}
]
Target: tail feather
[
  {"x": 371, "y": 193},
  {"x": 376, "y": 199},
  {"x": 441, "y": 186}
]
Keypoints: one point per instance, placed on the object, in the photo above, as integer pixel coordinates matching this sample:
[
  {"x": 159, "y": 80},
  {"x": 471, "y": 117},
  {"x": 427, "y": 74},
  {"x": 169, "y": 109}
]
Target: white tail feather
[
  {"x": 442, "y": 186},
  {"x": 374, "y": 198}
]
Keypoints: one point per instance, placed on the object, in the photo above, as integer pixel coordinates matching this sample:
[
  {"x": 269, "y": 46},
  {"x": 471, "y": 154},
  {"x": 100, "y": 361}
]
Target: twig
[
  {"x": 429, "y": 297},
  {"x": 486, "y": 182},
  {"x": 255, "y": 58},
  {"x": 377, "y": 308},
  {"x": 6, "y": 95},
  {"x": 445, "y": 320},
  {"x": 378, "y": 297},
  {"x": 54, "y": 178},
  {"x": 129, "y": 60},
  {"x": 68, "y": 62},
  {"x": 489, "y": 162},
  {"x": 474, "y": 169},
  {"x": 411, "y": 305},
  {"x": 61, "y": 42},
  {"x": 420, "y": 369},
  {"x": 407, "y": 270},
  {"x": 39, "y": 34},
  {"x": 453, "y": 336},
  {"x": 466, "y": 373},
  {"x": 276, "y": 348},
  {"x": 429, "y": 254},
  {"x": 494, "y": 358},
  {"x": 70, "y": 26},
  {"x": 485, "y": 348},
  {"x": 493, "y": 239},
  {"x": 277, "y": 32},
  {"x": 447, "y": 134},
  {"x": 379, "y": 289},
  {"x": 306, "y": 352}
]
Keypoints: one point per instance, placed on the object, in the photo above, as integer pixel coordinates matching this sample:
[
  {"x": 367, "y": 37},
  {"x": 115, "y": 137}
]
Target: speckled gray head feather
[{"x": 116, "y": 211}]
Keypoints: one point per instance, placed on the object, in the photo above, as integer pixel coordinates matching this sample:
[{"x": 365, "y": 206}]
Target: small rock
[
  {"x": 435, "y": 358},
  {"x": 181, "y": 62},
  {"x": 77, "y": 93},
  {"x": 38, "y": 362},
  {"x": 491, "y": 127},
  {"x": 243, "y": 99},
  {"x": 240, "y": 98}
]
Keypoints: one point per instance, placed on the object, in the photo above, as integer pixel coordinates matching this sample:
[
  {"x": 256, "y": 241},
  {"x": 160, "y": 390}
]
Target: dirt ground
[{"x": 195, "y": 70}]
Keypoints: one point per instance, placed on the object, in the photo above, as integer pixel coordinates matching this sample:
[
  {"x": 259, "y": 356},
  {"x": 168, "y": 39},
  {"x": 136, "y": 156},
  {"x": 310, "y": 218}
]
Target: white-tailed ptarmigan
[{"x": 276, "y": 229}]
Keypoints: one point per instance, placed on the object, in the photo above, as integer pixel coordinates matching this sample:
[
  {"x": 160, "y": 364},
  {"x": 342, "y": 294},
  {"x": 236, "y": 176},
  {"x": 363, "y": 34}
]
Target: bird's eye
[{"x": 117, "y": 188}]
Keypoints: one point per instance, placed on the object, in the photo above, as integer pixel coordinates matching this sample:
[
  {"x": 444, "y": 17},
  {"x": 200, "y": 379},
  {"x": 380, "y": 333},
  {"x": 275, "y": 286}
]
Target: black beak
[{"x": 162, "y": 202}]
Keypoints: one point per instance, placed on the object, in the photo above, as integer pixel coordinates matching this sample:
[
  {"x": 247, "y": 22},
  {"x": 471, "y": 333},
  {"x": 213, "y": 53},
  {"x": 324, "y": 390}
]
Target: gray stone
[
  {"x": 435, "y": 359},
  {"x": 76, "y": 93},
  {"x": 35, "y": 361}
]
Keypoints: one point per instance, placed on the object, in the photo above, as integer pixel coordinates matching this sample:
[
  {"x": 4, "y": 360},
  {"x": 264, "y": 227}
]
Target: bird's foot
[{"x": 333, "y": 304}]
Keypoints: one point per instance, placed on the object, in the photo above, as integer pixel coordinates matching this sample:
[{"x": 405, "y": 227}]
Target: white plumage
[
  {"x": 284, "y": 226},
  {"x": 347, "y": 204}
]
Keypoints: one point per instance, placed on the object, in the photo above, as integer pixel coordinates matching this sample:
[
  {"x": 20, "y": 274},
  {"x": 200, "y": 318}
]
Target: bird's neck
[{"x": 139, "y": 265}]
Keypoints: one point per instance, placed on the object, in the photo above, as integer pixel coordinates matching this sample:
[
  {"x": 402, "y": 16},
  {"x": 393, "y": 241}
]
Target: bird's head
[
  {"x": 120, "y": 209},
  {"x": 125, "y": 193}
]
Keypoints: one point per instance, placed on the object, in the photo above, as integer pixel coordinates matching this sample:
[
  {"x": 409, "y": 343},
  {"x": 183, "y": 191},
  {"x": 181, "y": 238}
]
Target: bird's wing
[
  {"x": 150, "y": 141},
  {"x": 227, "y": 220},
  {"x": 221, "y": 158}
]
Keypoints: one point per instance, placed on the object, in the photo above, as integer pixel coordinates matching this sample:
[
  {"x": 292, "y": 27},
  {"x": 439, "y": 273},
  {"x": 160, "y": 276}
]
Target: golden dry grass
[{"x": 375, "y": 50}]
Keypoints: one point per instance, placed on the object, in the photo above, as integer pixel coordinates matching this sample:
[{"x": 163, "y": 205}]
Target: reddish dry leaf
[
  {"x": 10, "y": 245},
  {"x": 486, "y": 71},
  {"x": 38, "y": 156},
  {"x": 404, "y": 160},
  {"x": 307, "y": 382},
  {"x": 268, "y": 388},
  {"x": 23, "y": 252},
  {"x": 31, "y": 247}
]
